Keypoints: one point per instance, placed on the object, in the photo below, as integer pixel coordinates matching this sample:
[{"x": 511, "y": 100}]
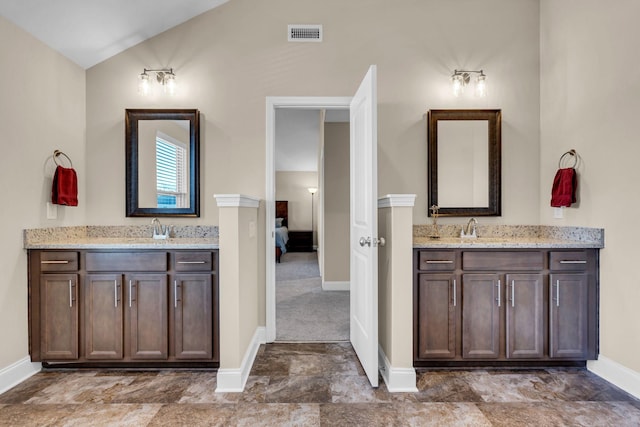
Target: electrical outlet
[
  {"x": 558, "y": 212},
  {"x": 52, "y": 211}
]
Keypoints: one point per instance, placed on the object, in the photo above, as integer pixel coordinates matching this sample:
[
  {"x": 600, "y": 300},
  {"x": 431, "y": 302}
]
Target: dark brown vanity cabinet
[
  {"x": 494, "y": 306},
  {"x": 436, "y": 298},
  {"x": 573, "y": 300},
  {"x": 145, "y": 307},
  {"x": 58, "y": 297},
  {"x": 193, "y": 336},
  {"x": 104, "y": 316}
]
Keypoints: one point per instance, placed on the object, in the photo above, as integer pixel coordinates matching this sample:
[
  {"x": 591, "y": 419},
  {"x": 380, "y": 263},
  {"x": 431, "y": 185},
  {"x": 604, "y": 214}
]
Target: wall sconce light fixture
[
  {"x": 164, "y": 76},
  {"x": 461, "y": 78}
]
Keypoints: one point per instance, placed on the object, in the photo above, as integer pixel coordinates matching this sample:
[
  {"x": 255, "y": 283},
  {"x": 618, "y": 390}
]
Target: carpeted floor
[{"x": 304, "y": 312}]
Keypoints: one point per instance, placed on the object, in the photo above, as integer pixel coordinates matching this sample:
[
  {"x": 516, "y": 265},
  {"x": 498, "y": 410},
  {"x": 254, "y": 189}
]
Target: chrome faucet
[
  {"x": 471, "y": 229},
  {"x": 159, "y": 232}
]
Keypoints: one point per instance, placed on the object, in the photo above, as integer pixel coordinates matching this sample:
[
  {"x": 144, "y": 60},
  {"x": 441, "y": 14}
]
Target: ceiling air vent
[{"x": 305, "y": 33}]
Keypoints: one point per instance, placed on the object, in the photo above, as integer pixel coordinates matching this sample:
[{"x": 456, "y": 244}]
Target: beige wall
[
  {"x": 224, "y": 70},
  {"x": 336, "y": 203},
  {"x": 42, "y": 108},
  {"x": 230, "y": 59},
  {"x": 589, "y": 94},
  {"x": 293, "y": 187}
]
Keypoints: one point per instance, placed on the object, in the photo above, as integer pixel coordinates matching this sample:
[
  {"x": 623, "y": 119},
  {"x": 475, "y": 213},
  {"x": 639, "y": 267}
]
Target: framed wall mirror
[
  {"x": 465, "y": 162},
  {"x": 162, "y": 163}
]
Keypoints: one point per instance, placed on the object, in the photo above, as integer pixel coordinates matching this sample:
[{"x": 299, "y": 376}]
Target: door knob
[
  {"x": 366, "y": 241},
  {"x": 380, "y": 241}
]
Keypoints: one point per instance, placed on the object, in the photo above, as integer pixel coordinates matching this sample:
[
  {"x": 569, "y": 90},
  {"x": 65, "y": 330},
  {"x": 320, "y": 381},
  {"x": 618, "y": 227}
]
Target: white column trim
[
  {"x": 236, "y": 200},
  {"x": 17, "y": 372},
  {"x": 398, "y": 380},
  {"x": 617, "y": 374},
  {"x": 231, "y": 380},
  {"x": 397, "y": 200}
]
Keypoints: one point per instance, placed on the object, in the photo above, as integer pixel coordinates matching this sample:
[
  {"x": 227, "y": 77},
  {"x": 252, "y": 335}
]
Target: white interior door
[{"x": 364, "y": 225}]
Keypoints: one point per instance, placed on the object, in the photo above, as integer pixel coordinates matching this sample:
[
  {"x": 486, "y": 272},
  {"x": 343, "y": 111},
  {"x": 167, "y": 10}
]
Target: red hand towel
[
  {"x": 563, "y": 192},
  {"x": 65, "y": 187}
]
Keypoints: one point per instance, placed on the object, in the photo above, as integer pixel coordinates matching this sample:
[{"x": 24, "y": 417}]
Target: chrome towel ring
[
  {"x": 571, "y": 153},
  {"x": 58, "y": 153}
]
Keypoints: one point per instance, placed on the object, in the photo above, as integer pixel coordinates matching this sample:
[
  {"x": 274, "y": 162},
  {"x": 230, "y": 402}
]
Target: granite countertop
[
  {"x": 508, "y": 236},
  {"x": 126, "y": 243},
  {"x": 505, "y": 243},
  {"x": 120, "y": 237}
]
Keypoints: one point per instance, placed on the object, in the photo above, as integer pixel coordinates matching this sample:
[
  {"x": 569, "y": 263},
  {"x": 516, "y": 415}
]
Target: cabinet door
[
  {"x": 59, "y": 316},
  {"x": 147, "y": 316},
  {"x": 193, "y": 316},
  {"x": 437, "y": 301},
  {"x": 481, "y": 301},
  {"x": 524, "y": 316},
  {"x": 103, "y": 330},
  {"x": 568, "y": 315}
]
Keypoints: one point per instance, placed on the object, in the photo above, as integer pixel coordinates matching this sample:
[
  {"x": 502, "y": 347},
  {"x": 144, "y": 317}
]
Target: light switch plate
[
  {"x": 252, "y": 229},
  {"x": 52, "y": 211}
]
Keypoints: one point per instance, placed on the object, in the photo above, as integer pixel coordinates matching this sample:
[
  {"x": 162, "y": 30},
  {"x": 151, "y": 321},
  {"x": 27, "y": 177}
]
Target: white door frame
[{"x": 273, "y": 103}]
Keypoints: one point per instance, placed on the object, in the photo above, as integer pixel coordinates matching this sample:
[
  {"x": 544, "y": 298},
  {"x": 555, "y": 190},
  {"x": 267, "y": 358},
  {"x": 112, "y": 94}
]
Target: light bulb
[
  {"x": 457, "y": 84},
  {"x": 481, "y": 86},
  {"x": 143, "y": 84},
  {"x": 170, "y": 84}
]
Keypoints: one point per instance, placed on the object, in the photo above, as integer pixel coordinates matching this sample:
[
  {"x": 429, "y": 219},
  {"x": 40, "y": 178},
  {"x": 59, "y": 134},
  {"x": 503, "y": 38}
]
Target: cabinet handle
[
  {"x": 192, "y": 262},
  {"x": 557, "y": 293},
  {"x": 115, "y": 293},
  {"x": 567, "y": 261},
  {"x": 513, "y": 294},
  {"x": 455, "y": 302},
  {"x": 129, "y": 293},
  {"x": 55, "y": 262},
  {"x": 498, "y": 299},
  {"x": 439, "y": 261},
  {"x": 70, "y": 294},
  {"x": 175, "y": 294}
]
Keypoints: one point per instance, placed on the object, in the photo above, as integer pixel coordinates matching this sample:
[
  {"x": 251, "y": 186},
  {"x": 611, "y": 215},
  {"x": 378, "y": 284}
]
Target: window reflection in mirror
[{"x": 162, "y": 167}]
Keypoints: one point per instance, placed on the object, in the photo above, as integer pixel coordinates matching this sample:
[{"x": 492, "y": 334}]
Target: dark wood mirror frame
[
  {"x": 132, "y": 116},
  {"x": 494, "y": 118}
]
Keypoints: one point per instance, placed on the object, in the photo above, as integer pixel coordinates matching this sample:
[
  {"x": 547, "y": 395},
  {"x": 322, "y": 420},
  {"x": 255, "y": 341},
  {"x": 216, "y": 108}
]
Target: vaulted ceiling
[{"x": 90, "y": 31}]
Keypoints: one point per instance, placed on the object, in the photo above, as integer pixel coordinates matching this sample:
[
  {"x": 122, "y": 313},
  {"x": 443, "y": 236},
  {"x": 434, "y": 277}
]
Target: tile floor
[{"x": 317, "y": 385}]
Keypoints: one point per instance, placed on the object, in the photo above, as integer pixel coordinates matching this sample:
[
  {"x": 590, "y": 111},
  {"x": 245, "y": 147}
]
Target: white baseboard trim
[
  {"x": 335, "y": 286},
  {"x": 17, "y": 372},
  {"x": 231, "y": 380},
  {"x": 617, "y": 374},
  {"x": 398, "y": 380}
]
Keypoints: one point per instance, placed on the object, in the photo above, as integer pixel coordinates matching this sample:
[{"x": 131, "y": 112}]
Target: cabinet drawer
[
  {"x": 513, "y": 261},
  {"x": 58, "y": 261},
  {"x": 437, "y": 261},
  {"x": 568, "y": 261},
  {"x": 126, "y": 261},
  {"x": 192, "y": 261}
]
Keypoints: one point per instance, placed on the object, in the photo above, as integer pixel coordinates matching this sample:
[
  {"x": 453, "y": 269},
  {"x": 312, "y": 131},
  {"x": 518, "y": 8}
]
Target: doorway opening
[
  {"x": 294, "y": 286},
  {"x": 312, "y": 224}
]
